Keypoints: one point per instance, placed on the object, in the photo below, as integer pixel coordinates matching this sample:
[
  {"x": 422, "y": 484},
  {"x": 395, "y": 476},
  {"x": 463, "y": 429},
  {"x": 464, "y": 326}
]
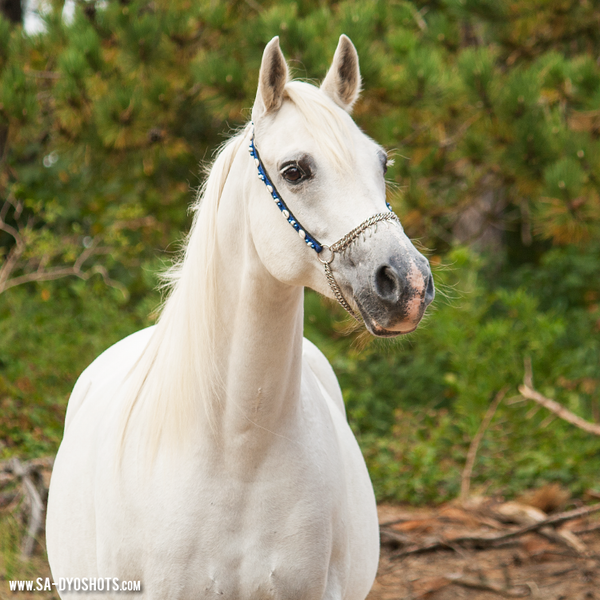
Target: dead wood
[
  {"x": 30, "y": 485},
  {"x": 527, "y": 391},
  {"x": 425, "y": 588},
  {"x": 565, "y": 538},
  {"x": 36, "y": 506},
  {"x": 388, "y": 537},
  {"x": 412, "y": 515},
  {"x": 516, "y": 592},
  {"x": 559, "y": 410},
  {"x": 488, "y": 541},
  {"x": 591, "y": 529},
  {"x": 34, "y": 464},
  {"x": 524, "y": 514}
]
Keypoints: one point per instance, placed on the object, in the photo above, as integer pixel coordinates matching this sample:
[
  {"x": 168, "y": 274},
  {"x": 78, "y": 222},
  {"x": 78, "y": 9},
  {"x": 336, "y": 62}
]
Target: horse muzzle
[{"x": 391, "y": 289}]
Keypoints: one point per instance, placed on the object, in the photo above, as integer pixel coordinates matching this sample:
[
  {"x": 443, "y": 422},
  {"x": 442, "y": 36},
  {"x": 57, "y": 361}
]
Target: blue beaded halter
[
  {"x": 285, "y": 211},
  {"x": 326, "y": 258}
]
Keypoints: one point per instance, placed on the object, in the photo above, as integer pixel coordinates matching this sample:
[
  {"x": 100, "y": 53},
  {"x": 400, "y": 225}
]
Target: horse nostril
[
  {"x": 387, "y": 284},
  {"x": 430, "y": 291}
]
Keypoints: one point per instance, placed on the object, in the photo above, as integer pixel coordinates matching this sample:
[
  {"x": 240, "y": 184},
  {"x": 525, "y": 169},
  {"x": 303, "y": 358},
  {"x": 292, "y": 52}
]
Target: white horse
[{"x": 210, "y": 454}]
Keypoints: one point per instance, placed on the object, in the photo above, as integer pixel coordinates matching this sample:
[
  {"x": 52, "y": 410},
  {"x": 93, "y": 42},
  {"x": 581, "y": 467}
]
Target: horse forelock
[{"x": 327, "y": 123}]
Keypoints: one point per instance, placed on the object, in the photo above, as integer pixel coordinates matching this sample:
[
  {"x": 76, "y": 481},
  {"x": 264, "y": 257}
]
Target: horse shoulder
[
  {"x": 113, "y": 360},
  {"x": 315, "y": 360}
]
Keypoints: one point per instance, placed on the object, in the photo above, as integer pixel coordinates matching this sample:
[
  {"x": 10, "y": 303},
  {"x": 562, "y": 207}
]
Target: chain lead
[{"x": 340, "y": 246}]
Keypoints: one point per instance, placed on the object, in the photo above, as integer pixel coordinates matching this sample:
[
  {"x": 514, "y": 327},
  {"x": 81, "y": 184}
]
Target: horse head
[{"x": 338, "y": 235}]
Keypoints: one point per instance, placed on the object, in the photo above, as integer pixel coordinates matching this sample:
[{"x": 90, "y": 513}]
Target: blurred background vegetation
[{"x": 491, "y": 109}]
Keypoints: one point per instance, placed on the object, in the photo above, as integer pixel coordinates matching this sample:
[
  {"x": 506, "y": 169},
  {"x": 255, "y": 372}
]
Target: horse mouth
[
  {"x": 374, "y": 328},
  {"x": 379, "y": 331}
]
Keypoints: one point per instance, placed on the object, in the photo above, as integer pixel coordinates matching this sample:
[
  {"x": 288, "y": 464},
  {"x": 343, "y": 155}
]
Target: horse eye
[{"x": 293, "y": 174}]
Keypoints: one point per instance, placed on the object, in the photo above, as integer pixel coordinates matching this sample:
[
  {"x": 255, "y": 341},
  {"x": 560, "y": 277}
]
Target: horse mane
[
  {"x": 165, "y": 387},
  {"x": 176, "y": 375}
]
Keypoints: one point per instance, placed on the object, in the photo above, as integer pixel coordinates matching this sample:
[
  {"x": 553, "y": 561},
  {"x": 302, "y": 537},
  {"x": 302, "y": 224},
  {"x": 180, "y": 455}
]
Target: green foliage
[
  {"x": 10, "y": 534},
  {"x": 493, "y": 106},
  {"x": 12, "y": 564},
  {"x": 47, "y": 337}
]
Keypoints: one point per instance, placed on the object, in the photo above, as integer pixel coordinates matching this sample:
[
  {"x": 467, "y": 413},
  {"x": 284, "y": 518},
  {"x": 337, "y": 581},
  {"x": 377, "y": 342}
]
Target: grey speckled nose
[
  {"x": 430, "y": 291},
  {"x": 391, "y": 285},
  {"x": 388, "y": 285},
  {"x": 389, "y": 280}
]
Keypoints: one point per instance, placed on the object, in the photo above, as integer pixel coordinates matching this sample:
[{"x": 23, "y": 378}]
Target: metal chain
[
  {"x": 340, "y": 246},
  {"x": 338, "y": 293}
]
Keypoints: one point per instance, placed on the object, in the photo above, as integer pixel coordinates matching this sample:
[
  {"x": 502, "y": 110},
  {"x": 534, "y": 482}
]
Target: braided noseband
[{"x": 325, "y": 253}]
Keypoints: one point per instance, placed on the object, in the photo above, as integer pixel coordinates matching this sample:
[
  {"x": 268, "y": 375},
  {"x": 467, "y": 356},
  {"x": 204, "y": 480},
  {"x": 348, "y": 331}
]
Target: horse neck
[
  {"x": 223, "y": 365},
  {"x": 258, "y": 344}
]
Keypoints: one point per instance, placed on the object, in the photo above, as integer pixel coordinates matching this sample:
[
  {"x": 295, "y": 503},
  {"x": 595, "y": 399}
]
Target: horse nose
[
  {"x": 430, "y": 291},
  {"x": 388, "y": 285}
]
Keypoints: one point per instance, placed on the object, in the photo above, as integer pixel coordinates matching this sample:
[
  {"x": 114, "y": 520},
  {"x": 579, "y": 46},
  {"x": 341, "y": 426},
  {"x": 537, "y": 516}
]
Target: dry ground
[{"x": 532, "y": 566}]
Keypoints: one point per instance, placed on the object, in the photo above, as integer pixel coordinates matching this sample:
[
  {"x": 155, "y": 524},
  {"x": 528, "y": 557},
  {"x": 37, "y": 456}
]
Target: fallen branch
[
  {"x": 488, "y": 587},
  {"x": 465, "y": 484},
  {"x": 14, "y": 471},
  {"x": 388, "y": 537},
  {"x": 34, "y": 464},
  {"x": 523, "y": 515},
  {"x": 586, "y": 530},
  {"x": 36, "y": 506},
  {"x": 494, "y": 540},
  {"x": 413, "y": 515}
]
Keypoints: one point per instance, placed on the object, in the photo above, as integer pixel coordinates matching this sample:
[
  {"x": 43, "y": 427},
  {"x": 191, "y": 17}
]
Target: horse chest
[{"x": 275, "y": 533}]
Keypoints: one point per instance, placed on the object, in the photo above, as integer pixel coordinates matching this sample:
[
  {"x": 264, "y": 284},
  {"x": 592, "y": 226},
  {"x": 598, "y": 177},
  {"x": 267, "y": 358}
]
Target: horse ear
[
  {"x": 271, "y": 80},
  {"x": 342, "y": 82}
]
